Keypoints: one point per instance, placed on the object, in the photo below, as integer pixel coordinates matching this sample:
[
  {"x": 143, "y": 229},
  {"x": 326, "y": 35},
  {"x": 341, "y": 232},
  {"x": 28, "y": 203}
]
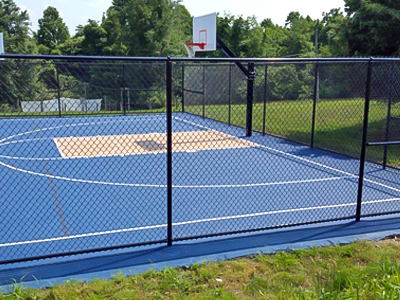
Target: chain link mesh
[
  {"x": 83, "y": 150},
  {"x": 92, "y": 178}
]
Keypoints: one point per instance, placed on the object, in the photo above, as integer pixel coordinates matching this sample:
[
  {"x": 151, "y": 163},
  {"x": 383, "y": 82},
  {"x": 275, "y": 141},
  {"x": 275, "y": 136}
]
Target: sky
[{"x": 77, "y": 12}]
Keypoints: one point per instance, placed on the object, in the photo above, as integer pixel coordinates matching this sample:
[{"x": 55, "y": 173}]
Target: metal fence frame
[{"x": 169, "y": 61}]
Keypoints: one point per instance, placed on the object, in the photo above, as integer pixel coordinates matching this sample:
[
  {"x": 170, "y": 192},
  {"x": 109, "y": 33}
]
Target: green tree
[
  {"x": 333, "y": 34},
  {"x": 374, "y": 27},
  {"x": 300, "y": 38},
  {"x": 273, "y": 38},
  {"x": 14, "y": 24},
  {"x": 115, "y": 45},
  {"x": 93, "y": 38},
  {"x": 148, "y": 25},
  {"x": 18, "y": 81},
  {"x": 52, "y": 30},
  {"x": 72, "y": 46},
  {"x": 179, "y": 31},
  {"x": 146, "y": 28},
  {"x": 245, "y": 37}
]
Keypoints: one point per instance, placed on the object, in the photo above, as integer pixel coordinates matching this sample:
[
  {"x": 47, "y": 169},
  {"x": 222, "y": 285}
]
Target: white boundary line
[
  {"x": 135, "y": 184},
  {"x": 202, "y": 220},
  {"x": 96, "y": 156},
  {"x": 234, "y": 217},
  {"x": 190, "y": 186},
  {"x": 50, "y": 138},
  {"x": 58, "y": 149},
  {"x": 25, "y": 141},
  {"x": 72, "y": 117},
  {"x": 72, "y": 125},
  {"x": 164, "y": 185},
  {"x": 299, "y": 158}
]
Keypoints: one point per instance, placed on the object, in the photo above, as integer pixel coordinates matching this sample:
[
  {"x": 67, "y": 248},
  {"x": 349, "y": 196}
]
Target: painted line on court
[
  {"x": 164, "y": 185},
  {"x": 98, "y": 156},
  {"x": 25, "y": 141},
  {"x": 348, "y": 175},
  {"x": 80, "y": 117},
  {"x": 141, "y": 185},
  {"x": 299, "y": 158},
  {"x": 72, "y": 125},
  {"x": 216, "y": 219},
  {"x": 58, "y": 149},
  {"x": 52, "y": 138}
]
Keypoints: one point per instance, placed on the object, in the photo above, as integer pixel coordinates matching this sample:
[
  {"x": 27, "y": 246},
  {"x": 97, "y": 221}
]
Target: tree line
[{"x": 160, "y": 28}]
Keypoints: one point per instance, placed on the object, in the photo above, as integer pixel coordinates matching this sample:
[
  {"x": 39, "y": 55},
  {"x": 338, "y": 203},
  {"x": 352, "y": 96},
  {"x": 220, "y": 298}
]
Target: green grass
[
  {"x": 338, "y": 123},
  {"x": 363, "y": 270}
]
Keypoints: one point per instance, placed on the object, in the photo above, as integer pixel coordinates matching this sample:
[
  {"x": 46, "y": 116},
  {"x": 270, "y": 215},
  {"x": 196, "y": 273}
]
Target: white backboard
[
  {"x": 205, "y": 31},
  {"x": 1, "y": 45}
]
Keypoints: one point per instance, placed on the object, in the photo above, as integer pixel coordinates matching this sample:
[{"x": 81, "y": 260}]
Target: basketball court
[
  {"x": 109, "y": 180},
  {"x": 77, "y": 185}
]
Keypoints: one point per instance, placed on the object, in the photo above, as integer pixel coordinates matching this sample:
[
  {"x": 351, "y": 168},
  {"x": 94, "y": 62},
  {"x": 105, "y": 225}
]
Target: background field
[{"x": 338, "y": 123}]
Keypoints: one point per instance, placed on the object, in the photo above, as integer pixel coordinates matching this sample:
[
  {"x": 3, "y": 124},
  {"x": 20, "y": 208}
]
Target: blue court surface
[{"x": 57, "y": 200}]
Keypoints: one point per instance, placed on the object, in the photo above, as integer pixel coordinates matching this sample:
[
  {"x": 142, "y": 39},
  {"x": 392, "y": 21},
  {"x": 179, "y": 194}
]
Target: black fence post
[
  {"x": 230, "y": 95},
  {"x": 364, "y": 142},
  {"x": 169, "y": 151},
  {"x": 204, "y": 91},
  {"x": 250, "y": 99},
  {"x": 59, "y": 93},
  {"x": 265, "y": 98},
  {"x": 183, "y": 87},
  {"x": 315, "y": 101},
  {"x": 389, "y": 116},
  {"x": 123, "y": 89}
]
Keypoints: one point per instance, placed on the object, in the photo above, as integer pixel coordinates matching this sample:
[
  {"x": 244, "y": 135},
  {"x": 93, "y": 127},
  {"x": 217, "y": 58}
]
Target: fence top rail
[
  {"x": 186, "y": 59},
  {"x": 82, "y": 58},
  {"x": 271, "y": 60}
]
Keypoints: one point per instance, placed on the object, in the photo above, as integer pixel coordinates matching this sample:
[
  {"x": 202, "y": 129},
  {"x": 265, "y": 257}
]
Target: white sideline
[
  {"x": 133, "y": 184},
  {"x": 299, "y": 158},
  {"x": 225, "y": 218},
  {"x": 164, "y": 185},
  {"x": 73, "y": 125},
  {"x": 183, "y": 186},
  {"x": 109, "y": 232}
]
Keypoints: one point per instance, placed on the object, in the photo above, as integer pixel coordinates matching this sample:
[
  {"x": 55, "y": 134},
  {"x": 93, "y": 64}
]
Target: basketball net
[
  {"x": 190, "y": 48},
  {"x": 190, "y": 51}
]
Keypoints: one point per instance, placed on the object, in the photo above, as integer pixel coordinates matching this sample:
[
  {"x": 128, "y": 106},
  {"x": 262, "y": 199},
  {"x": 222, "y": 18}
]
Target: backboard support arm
[
  {"x": 229, "y": 53},
  {"x": 250, "y": 76}
]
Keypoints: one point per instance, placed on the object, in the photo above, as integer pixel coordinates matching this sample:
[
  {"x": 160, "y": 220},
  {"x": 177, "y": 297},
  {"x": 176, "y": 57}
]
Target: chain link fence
[{"x": 99, "y": 154}]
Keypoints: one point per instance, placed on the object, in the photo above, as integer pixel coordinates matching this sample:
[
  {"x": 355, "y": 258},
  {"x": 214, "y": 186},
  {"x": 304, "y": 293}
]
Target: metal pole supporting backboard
[{"x": 250, "y": 98}]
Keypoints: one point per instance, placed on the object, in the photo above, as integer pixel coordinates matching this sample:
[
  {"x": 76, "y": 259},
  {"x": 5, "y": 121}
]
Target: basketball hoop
[
  {"x": 189, "y": 47},
  {"x": 204, "y": 35},
  {"x": 200, "y": 45}
]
